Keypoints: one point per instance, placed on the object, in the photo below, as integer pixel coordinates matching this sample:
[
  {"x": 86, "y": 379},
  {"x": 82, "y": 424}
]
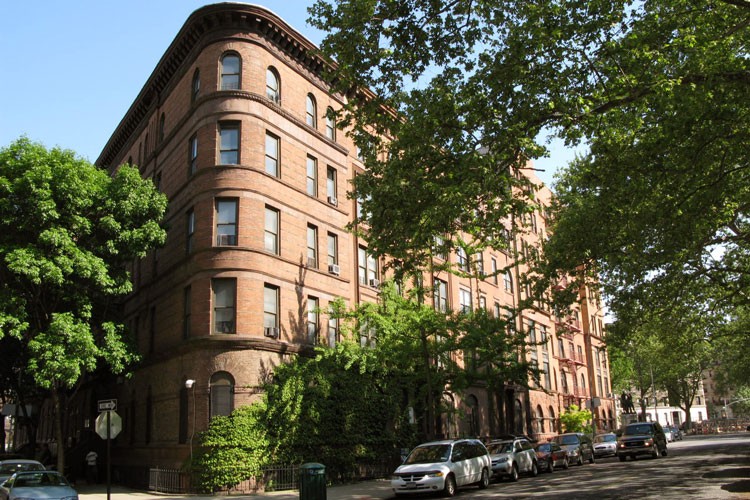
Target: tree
[
  {"x": 657, "y": 90},
  {"x": 68, "y": 231},
  {"x": 576, "y": 420}
]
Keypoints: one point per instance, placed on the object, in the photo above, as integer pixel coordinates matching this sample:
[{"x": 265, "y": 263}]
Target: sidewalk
[{"x": 365, "y": 490}]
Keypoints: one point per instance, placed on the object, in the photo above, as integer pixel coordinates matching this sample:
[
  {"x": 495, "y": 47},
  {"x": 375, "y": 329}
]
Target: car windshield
[
  {"x": 634, "y": 430},
  {"x": 429, "y": 454},
  {"x": 607, "y": 438},
  {"x": 40, "y": 479},
  {"x": 495, "y": 448},
  {"x": 13, "y": 467},
  {"x": 567, "y": 439},
  {"x": 544, "y": 447}
]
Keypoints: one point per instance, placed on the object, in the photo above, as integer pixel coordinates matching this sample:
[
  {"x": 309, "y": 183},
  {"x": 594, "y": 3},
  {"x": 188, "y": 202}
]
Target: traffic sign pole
[{"x": 109, "y": 454}]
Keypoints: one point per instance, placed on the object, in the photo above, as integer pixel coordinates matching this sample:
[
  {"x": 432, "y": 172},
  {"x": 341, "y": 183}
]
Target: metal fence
[{"x": 168, "y": 480}]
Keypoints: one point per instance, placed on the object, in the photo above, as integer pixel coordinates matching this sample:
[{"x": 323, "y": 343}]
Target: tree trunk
[
  {"x": 58, "y": 397},
  {"x": 430, "y": 427}
]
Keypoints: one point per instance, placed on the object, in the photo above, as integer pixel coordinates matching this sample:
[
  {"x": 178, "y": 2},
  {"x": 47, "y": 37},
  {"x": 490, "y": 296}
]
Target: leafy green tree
[
  {"x": 575, "y": 419},
  {"x": 68, "y": 231}
]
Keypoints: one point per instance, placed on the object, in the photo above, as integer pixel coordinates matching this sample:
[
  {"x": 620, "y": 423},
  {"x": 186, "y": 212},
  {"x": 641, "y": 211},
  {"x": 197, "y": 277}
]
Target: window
[
  {"x": 195, "y": 86},
  {"x": 333, "y": 249},
  {"x": 547, "y": 380},
  {"x": 532, "y": 332},
  {"x": 162, "y": 126},
  {"x": 312, "y": 176},
  {"x": 333, "y": 331},
  {"x": 508, "y": 281},
  {"x": 311, "y": 111},
  {"x": 271, "y": 230},
  {"x": 312, "y": 246},
  {"x": 496, "y": 309},
  {"x": 225, "y": 290},
  {"x": 272, "y": 154},
  {"x": 439, "y": 247},
  {"x": 331, "y": 185},
  {"x": 222, "y": 394},
  {"x": 330, "y": 124},
  {"x": 543, "y": 336},
  {"x": 464, "y": 300},
  {"x": 441, "y": 295},
  {"x": 367, "y": 268},
  {"x": 273, "y": 92},
  {"x": 193, "y": 155},
  {"x": 463, "y": 260},
  {"x": 483, "y": 302},
  {"x": 229, "y": 144},
  {"x": 479, "y": 261},
  {"x": 230, "y": 72},
  {"x": 190, "y": 230},
  {"x": 493, "y": 265},
  {"x": 270, "y": 306},
  {"x": 186, "y": 312},
  {"x": 226, "y": 222},
  {"x": 312, "y": 320}
]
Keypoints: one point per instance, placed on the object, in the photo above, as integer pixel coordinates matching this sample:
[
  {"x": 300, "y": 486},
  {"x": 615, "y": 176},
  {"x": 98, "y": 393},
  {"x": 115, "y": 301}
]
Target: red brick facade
[{"x": 174, "y": 308}]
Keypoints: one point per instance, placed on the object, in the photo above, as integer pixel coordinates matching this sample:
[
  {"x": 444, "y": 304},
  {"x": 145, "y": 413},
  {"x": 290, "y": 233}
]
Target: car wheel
[
  {"x": 534, "y": 469},
  {"x": 566, "y": 463},
  {"x": 485, "y": 481},
  {"x": 551, "y": 466},
  {"x": 449, "y": 489},
  {"x": 622, "y": 458},
  {"x": 514, "y": 473},
  {"x": 655, "y": 451}
]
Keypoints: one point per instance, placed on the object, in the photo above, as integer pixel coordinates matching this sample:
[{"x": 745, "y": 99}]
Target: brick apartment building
[{"x": 232, "y": 126}]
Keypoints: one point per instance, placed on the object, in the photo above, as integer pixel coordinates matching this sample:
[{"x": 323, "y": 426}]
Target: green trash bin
[{"x": 312, "y": 481}]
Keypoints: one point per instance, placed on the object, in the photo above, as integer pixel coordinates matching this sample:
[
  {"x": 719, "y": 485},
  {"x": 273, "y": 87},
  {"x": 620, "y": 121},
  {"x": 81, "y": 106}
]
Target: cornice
[{"x": 209, "y": 23}]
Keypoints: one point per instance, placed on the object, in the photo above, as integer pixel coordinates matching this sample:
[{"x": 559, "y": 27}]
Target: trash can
[{"x": 312, "y": 481}]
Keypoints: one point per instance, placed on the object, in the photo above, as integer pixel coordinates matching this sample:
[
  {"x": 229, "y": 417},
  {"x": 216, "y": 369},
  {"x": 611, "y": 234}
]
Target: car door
[{"x": 461, "y": 463}]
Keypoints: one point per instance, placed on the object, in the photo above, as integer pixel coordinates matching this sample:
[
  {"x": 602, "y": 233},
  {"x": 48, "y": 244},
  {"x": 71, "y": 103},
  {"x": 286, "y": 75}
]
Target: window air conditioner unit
[
  {"x": 334, "y": 269},
  {"x": 374, "y": 283},
  {"x": 227, "y": 239},
  {"x": 271, "y": 331},
  {"x": 333, "y": 201}
]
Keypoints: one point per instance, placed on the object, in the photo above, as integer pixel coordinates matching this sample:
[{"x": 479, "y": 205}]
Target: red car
[{"x": 550, "y": 455}]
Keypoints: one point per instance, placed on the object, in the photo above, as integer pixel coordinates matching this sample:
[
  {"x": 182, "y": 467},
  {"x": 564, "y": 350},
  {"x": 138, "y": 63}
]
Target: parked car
[
  {"x": 443, "y": 466},
  {"x": 11, "y": 466},
  {"x": 675, "y": 431},
  {"x": 605, "y": 445},
  {"x": 642, "y": 438},
  {"x": 44, "y": 484},
  {"x": 578, "y": 445},
  {"x": 511, "y": 457},
  {"x": 551, "y": 455}
]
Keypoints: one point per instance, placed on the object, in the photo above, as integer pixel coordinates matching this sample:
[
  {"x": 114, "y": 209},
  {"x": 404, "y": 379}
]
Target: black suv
[{"x": 642, "y": 438}]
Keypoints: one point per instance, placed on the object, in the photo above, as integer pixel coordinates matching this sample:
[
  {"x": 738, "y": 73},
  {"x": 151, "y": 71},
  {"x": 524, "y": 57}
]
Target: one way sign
[{"x": 107, "y": 404}]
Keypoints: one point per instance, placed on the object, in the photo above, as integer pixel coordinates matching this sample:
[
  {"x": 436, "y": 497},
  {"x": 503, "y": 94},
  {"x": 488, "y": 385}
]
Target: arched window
[
  {"x": 230, "y": 71},
  {"x": 222, "y": 394},
  {"x": 552, "y": 421},
  {"x": 330, "y": 124},
  {"x": 583, "y": 384},
  {"x": 311, "y": 111},
  {"x": 273, "y": 87},
  {"x": 540, "y": 418},
  {"x": 472, "y": 415},
  {"x": 195, "y": 87},
  {"x": 518, "y": 416}
]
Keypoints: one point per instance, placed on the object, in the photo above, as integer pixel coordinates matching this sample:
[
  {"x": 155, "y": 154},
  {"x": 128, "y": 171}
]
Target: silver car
[
  {"x": 605, "y": 445},
  {"x": 511, "y": 457},
  {"x": 442, "y": 466},
  {"x": 11, "y": 466},
  {"x": 47, "y": 485}
]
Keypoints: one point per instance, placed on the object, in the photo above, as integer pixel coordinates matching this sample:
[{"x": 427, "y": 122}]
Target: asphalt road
[{"x": 697, "y": 468}]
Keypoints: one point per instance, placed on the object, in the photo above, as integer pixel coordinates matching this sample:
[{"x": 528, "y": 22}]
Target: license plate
[{"x": 410, "y": 486}]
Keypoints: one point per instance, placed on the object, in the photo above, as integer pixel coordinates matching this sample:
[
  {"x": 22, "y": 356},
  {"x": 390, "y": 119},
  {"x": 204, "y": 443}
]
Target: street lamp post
[{"x": 190, "y": 384}]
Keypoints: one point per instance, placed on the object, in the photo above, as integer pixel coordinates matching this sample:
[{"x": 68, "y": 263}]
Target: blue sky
[{"x": 70, "y": 70}]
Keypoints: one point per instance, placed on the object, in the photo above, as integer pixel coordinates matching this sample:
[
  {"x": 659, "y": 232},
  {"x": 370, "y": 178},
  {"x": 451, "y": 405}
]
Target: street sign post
[{"x": 108, "y": 425}]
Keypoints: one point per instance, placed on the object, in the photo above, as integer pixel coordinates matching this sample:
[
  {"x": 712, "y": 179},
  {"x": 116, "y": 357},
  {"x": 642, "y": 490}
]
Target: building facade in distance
[{"x": 233, "y": 126}]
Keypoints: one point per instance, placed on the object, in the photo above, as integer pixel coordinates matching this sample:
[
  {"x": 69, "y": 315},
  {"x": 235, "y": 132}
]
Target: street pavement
[{"x": 365, "y": 490}]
